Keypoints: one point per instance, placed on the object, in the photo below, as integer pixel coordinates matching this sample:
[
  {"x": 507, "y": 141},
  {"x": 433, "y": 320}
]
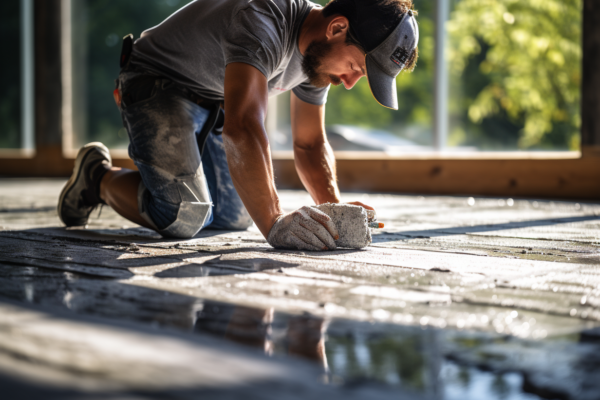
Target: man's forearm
[
  {"x": 316, "y": 168},
  {"x": 247, "y": 146},
  {"x": 251, "y": 169}
]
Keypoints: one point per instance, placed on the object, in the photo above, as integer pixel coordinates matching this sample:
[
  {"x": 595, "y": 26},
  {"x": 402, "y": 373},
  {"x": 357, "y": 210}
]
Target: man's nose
[{"x": 350, "y": 80}]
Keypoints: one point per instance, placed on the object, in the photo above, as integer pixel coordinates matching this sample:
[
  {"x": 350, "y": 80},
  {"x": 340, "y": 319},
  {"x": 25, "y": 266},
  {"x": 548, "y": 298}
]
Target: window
[
  {"x": 497, "y": 89},
  {"x": 514, "y": 74},
  {"x": 355, "y": 121},
  {"x": 499, "y": 76},
  {"x": 506, "y": 76}
]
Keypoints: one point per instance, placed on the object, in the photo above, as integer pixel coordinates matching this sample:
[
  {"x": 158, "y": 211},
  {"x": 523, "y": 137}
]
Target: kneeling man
[{"x": 193, "y": 97}]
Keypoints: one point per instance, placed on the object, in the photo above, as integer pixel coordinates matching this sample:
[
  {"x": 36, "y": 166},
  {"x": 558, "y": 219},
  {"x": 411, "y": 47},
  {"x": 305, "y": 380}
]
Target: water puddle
[{"x": 443, "y": 364}]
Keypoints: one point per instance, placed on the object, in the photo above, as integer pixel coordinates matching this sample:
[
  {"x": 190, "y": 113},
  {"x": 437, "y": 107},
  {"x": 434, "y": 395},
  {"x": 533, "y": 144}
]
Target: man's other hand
[
  {"x": 372, "y": 215},
  {"x": 304, "y": 229},
  {"x": 358, "y": 203}
]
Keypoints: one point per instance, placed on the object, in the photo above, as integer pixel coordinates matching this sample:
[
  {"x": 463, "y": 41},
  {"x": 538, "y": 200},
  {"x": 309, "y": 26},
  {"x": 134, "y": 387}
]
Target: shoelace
[{"x": 100, "y": 210}]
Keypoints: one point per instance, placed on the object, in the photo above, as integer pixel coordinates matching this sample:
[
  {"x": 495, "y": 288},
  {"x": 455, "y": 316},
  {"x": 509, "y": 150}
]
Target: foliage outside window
[
  {"x": 514, "y": 75},
  {"x": 518, "y": 66}
]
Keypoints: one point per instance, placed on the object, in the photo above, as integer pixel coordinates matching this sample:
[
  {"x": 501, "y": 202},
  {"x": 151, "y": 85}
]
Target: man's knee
[
  {"x": 180, "y": 219},
  {"x": 191, "y": 218}
]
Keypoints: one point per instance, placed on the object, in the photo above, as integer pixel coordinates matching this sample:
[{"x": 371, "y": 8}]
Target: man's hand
[{"x": 304, "y": 229}]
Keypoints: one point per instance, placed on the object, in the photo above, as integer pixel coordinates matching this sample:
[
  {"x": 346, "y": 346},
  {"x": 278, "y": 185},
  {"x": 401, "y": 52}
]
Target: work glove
[{"x": 304, "y": 229}]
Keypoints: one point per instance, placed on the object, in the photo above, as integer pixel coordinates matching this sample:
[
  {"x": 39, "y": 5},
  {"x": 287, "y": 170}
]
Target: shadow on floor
[
  {"x": 463, "y": 230},
  {"x": 92, "y": 253}
]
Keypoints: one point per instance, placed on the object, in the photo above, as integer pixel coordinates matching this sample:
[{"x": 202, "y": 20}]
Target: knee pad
[
  {"x": 177, "y": 220},
  {"x": 191, "y": 217}
]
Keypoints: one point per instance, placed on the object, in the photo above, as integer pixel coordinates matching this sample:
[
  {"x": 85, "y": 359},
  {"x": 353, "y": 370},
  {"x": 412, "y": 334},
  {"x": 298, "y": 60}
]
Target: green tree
[{"x": 528, "y": 53}]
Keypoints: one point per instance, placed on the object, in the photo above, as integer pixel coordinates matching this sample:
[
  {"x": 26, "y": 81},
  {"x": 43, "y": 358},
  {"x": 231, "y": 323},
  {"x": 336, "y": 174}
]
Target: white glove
[{"x": 304, "y": 229}]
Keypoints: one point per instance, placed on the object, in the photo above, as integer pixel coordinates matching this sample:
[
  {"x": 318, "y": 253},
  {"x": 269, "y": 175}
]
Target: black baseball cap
[{"x": 388, "y": 38}]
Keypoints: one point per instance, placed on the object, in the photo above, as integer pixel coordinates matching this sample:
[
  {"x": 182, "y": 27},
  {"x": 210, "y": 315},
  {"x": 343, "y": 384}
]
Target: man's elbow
[
  {"x": 311, "y": 145},
  {"x": 241, "y": 128},
  {"x": 244, "y": 135}
]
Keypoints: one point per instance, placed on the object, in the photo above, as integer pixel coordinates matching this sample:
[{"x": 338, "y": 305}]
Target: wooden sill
[
  {"x": 122, "y": 155},
  {"x": 568, "y": 175},
  {"x": 17, "y": 153},
  {"x": 475, "y": 156},
  {"x": 590, "y": 151}
]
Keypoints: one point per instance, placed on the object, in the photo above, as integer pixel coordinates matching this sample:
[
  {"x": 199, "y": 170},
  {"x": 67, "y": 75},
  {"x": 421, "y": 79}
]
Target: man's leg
[
  {"x": 172, "y": 194},
  {"x": 228, "y": 210},
  {"x": 169, "y": 193},
  {"x": 119, "y": 189}
]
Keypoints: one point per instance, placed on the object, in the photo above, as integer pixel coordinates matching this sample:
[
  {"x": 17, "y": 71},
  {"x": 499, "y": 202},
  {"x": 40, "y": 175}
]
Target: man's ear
[{"x": 337, "y": 28}]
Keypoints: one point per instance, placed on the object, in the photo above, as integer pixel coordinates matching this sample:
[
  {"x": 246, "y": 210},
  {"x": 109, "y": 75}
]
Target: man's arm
[
  {"x": 247, "y": 145},
  {"x": 249, "y": 160},
  {"x": 313, "y": 155}
]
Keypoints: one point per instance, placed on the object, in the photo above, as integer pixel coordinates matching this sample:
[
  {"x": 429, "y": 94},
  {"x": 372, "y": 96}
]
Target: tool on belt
[
  {"x": 126, "y": 50},
  {"x": 216, "y": 117}
]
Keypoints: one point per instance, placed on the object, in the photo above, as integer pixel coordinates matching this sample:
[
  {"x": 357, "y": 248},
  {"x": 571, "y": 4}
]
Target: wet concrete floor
[{"x": 457, "y": 298}]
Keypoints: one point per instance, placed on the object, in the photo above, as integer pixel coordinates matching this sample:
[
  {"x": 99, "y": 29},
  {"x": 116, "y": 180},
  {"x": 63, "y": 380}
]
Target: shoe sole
[{"x": 81, "y": 156}]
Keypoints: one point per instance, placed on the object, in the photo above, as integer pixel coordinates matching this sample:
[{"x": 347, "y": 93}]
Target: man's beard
[{"x": 312, "y": 63}]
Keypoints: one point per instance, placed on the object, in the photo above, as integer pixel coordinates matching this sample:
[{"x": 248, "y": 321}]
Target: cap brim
[{"x": 383, "y": 86}]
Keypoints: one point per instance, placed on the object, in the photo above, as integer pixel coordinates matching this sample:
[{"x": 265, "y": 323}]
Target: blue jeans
[{"x": 181, "y": 191}]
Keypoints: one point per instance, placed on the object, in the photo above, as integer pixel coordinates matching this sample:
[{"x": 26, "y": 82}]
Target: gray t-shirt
[{"x": 194, "y": 45}]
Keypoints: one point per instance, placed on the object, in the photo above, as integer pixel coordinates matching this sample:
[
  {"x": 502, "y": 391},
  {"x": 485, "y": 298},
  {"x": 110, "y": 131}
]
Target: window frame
[{"x": 572, "y": 175}]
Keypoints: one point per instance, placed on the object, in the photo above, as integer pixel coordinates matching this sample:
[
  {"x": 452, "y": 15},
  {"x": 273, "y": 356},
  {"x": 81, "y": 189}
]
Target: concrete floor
[{"x": 457, "y": 298}]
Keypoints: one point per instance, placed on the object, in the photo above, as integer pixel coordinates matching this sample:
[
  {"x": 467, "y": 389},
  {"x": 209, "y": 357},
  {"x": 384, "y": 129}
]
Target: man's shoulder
[
  {"x": 285, "y": 10},
  {"x": 270, "y": 21}
]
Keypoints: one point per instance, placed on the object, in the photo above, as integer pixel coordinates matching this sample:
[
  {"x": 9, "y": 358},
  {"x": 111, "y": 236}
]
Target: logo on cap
[{"x": 400, "y": 56}]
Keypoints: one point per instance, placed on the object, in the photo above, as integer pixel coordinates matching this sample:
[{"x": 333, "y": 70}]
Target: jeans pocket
[{"x": 139, "y": 89}]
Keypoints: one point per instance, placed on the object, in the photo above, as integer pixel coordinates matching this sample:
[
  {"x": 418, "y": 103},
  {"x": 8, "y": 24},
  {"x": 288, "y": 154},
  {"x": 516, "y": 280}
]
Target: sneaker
[{"x": 81, "y": 194}]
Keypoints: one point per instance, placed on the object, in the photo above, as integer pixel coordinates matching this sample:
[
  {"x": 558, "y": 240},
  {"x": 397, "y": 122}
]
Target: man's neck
[{"x": 313, "y": 28}]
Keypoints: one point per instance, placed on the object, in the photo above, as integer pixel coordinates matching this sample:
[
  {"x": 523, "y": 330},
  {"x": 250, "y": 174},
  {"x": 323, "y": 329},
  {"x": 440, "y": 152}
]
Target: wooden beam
[
  {"x": 577, "y": 178},
  {"x": 50, "y": 162},
  {"x": 590, "y": 89},
  {"x": 559, "y": 176}
]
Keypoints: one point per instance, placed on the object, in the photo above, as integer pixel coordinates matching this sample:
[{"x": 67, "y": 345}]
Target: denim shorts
[{"x": 181, "y": 191}]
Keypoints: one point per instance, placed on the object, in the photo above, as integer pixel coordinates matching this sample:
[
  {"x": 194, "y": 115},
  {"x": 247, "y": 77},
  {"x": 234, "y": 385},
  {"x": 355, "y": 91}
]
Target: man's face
[{"x": 334, "y": 63}]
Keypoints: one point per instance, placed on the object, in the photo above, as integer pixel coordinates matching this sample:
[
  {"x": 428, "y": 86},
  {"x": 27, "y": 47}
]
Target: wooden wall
[{"x": 561, "y": 178}]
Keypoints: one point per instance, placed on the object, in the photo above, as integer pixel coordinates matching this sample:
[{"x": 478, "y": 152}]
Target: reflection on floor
[{"x": 457, "y": 298}]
